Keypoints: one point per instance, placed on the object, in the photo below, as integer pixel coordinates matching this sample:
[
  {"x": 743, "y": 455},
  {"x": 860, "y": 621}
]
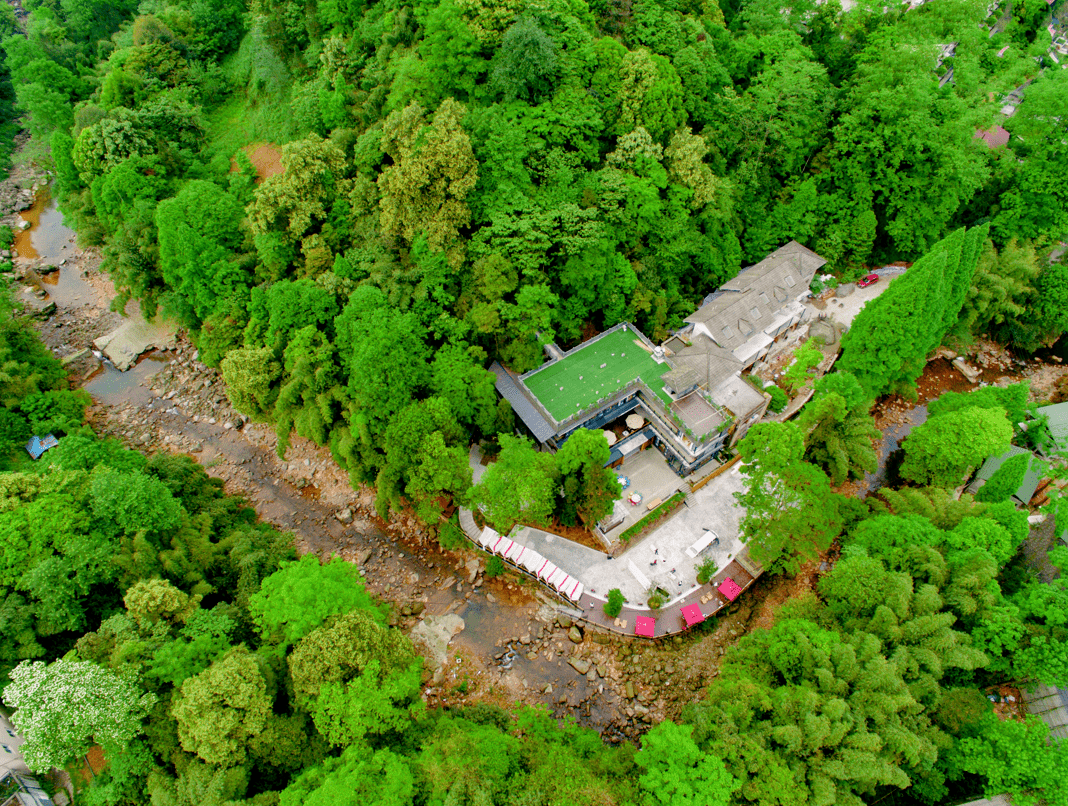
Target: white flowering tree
[{"x": 63, "y": 708}]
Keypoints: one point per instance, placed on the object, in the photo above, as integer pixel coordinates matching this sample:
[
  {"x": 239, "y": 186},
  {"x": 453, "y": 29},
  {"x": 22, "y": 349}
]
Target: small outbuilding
[
  {"x": 37, "y": 446},
  {"x": 1028, "y": 483}
]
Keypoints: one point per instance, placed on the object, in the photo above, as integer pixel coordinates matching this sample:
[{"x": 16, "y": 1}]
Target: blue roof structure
[{"x": 38, "y": 445}]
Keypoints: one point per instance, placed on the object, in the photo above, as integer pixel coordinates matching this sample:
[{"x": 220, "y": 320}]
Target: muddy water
[
  {"x": 51, "y": 241},
  {"x": 113, "y": 387}
]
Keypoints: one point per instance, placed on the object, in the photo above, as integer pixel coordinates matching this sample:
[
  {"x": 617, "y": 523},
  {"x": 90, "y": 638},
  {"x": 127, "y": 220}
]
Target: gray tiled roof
[
  {"x": 748, "y": 303},
  {"x": 711, "y": 362},
  {"x": 509, "y": 389},
  {"x": 680, "y": 379}
]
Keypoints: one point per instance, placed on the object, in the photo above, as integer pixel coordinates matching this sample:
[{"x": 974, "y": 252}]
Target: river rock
[
  {"x": 417, "y": 608},
  {"x": 133, "y": 338},
  {"x": 77, "y": 356},
  {"x": 575, "y": 634},
  {"x": 580, "y": 665},
  {"x": 628, "y": 689},
  {"x": 47, "y": 269},
  {"x": 344, "y": 516},
  {"x": 564, "y": 621},
  {"x": 434, "y": 634},
  {"x": 472, "y": 570},
  {"x": 39, "y": 308},
  {"x": 966, "y": 370}
]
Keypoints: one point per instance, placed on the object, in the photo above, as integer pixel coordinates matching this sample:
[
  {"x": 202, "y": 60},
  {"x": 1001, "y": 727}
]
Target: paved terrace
[{"x": 663, "y": 557}]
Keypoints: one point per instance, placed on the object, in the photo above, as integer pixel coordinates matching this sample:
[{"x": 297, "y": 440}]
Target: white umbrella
[
  {"x": 635, "y": 421},
  {"x": 610, "y": 436}
]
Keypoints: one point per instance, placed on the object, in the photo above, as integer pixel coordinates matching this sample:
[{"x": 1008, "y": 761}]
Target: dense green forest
[
  {"x": 466, "y": 181},
  {"x": 151, "y": 614}
]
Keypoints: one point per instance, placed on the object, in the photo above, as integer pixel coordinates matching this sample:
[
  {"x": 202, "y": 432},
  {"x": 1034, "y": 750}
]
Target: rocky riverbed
[{"x": 503, "y": 640}]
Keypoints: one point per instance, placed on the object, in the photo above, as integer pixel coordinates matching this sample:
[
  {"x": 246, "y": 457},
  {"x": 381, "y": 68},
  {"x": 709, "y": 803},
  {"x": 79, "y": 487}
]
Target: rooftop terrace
[{"x": 594, "y": 371}]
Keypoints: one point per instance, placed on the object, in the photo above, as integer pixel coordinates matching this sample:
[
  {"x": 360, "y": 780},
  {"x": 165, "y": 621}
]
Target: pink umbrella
[
  {"x": 730, "y": 589},
  {"x": 645, "y": 626},
  {"x": 693, "y": 615}
]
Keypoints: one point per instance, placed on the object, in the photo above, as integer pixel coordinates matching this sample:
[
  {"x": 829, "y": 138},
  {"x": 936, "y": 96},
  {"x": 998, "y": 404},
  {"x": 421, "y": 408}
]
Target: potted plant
[{"x": 706, "y": 570}]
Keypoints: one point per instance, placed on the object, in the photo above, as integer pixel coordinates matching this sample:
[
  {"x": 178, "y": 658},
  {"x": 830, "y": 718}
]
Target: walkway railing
[{"x": 669, "y": 620}]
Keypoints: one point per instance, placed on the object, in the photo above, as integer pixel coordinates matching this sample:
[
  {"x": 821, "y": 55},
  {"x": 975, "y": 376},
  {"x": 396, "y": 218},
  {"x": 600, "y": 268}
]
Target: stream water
[
  {"x": 114, "y": 387},
  {"x": 52, "y": 242},
  {"x": 49, "y": 239}
]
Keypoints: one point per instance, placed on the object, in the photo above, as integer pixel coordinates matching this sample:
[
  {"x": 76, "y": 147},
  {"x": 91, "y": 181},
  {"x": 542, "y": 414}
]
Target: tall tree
[
  {"x": 887, "y": 346},
  {"x": 838, "y": 435},
  {"x": 425, "y": 190},
  {"x": 220, "y": 710},
  {"x": 520, "y": 486},
  {"x": 790, "y": 512},
  {"x": 66, "y": 707},
  {"x": 300, "y": 596},
  {"x": 590, "y": 489},
  {"x": 677, "y": 772},
  {"x": 943, "y": 449}
]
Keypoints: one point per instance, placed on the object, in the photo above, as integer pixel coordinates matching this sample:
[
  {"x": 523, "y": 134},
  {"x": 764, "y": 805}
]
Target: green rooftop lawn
[{"x": 583, "y": 380}]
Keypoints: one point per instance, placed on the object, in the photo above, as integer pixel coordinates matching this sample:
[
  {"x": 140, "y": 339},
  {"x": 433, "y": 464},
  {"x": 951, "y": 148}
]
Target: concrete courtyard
[
  {"x": 660, "y": 558},
  {"x": 651, "y": 477},
  {"x": 845, "y": 309}
]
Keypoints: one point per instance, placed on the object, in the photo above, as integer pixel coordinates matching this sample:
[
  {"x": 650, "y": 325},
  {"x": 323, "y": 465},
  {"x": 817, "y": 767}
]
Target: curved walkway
[{"x": 666, "y": 554}]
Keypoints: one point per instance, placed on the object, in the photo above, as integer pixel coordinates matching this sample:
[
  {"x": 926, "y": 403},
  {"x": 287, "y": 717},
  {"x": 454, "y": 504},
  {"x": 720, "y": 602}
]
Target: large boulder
[
  {"x": 133, "y": 338},
  {"x": 433, "y": 635}
]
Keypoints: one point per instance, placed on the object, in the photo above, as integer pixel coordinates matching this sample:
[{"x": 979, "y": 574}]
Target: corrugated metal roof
[
  {"x": 1057, "y": 415},
  {"x": 38, "y": 445},
  {"x": 508, "y": 388},
  {"x": 1028, "y": 484}
]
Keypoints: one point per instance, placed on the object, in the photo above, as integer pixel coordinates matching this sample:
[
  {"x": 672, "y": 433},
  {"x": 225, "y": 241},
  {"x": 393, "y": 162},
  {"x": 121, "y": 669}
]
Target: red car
[{"x": 867, "y": 280}]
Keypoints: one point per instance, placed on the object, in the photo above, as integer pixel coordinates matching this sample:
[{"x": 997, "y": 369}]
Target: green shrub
[
  {"x": 706, "y": 570},
  {"x": 614, "y": 606},
  {"x": 451, "y": 536},
  {"x": 661, "y": 511},
  {"x": 778, "y": 398},
  {"x": 494, "y": 568}
]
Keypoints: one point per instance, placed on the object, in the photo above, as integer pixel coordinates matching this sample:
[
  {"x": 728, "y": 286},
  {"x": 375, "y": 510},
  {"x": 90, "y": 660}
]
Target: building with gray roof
[
  {"x": 1028, "y": 484},
  {"x": 745, "y": 315},
  {"x": 689, "y": 389}
]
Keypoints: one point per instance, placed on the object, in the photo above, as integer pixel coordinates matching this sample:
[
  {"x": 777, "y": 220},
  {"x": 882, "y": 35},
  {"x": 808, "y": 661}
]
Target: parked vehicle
[{"x": 870, "y": 279}]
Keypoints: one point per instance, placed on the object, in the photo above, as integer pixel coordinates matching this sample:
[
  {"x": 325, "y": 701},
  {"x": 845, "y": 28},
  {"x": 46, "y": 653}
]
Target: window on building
[
  {"x": 790, "y": 281},
  {"x": 746, "y": 327},
  {"x": 780, "y": 294},
  {"x": 728, "y": 332},
  {"x": 764, "y": 298},
  {"x": 754, "y": 312}
]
